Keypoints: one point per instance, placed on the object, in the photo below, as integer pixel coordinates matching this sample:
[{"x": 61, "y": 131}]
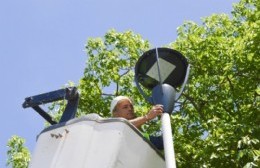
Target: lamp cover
[{"x": 173, "y": 67}]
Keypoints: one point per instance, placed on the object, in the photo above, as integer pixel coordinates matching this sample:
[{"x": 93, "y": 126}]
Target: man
[{"x": 122, "y": 106}]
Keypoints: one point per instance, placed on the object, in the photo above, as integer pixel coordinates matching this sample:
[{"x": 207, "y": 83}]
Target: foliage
[
  {"x": 109, "y": 65},
  {"x": 18, "y": 155},
  {"x": 218, "y": 124}
]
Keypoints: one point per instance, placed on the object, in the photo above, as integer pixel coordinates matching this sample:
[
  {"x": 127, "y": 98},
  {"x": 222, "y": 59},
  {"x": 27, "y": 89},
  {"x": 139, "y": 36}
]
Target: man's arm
[
  {"x": 139, "y": 121},
  {"x": 154, "y": 112}
]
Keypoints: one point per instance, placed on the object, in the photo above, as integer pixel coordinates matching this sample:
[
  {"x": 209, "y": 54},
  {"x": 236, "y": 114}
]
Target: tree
[
  {"x": 18, "y": 155},
  {"x": 218, "y": 124}
]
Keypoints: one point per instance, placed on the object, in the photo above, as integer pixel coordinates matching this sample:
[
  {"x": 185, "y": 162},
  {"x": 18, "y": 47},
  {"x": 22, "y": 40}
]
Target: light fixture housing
[{"x": 173, "y": 67}]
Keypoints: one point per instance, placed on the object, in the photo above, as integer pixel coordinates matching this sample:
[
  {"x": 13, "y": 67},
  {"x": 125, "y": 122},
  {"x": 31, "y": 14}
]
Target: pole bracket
[{"x": 70, "y": 94}]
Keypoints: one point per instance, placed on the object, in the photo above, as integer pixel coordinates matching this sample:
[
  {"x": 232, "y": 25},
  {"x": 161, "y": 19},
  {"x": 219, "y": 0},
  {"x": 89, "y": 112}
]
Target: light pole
[{"x": 163, "y": 70}]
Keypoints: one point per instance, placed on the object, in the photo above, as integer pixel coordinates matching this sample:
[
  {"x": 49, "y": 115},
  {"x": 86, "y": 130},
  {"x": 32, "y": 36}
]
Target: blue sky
[{"x": 42, "y": 46}]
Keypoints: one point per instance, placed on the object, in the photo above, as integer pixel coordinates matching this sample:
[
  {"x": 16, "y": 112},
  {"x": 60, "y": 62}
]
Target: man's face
[{"x": 124, "y": 109}]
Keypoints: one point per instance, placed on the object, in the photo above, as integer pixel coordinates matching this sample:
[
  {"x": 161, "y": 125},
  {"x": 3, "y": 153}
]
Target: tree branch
[
  {"x": 107, "y": 94},
  {"x": 191, "y": 100}
]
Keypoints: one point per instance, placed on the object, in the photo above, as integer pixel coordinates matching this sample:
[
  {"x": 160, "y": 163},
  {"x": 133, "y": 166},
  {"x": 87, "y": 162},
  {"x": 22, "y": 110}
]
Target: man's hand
[{"x": 156, "y": 110}]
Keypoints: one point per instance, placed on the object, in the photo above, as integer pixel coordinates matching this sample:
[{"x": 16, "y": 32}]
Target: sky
[{"x": 42, "y": 46}]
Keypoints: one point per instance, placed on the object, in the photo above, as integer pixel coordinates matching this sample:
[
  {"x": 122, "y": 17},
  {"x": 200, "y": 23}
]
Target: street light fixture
[{"x": 163, "y": 71}]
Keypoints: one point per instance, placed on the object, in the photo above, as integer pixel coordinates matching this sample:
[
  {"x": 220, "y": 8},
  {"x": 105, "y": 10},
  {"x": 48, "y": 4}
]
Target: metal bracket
[{"x": 70, "y": 94}]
